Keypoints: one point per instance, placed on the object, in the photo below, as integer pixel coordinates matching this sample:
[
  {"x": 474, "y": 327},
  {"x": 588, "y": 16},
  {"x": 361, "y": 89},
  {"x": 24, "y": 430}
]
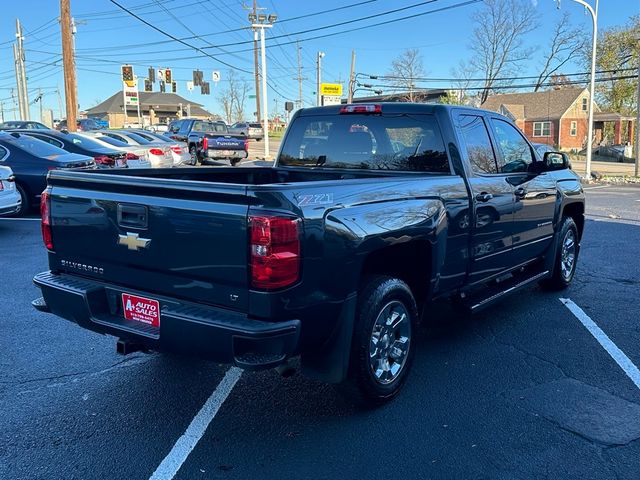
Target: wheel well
[
  {"x": 576, "y": 212},
  {"x": 410, "y": 262}
]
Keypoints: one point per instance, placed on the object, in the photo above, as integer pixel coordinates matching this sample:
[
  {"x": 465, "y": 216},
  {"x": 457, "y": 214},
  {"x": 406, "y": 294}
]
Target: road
[{"x": 522, "y": 390}]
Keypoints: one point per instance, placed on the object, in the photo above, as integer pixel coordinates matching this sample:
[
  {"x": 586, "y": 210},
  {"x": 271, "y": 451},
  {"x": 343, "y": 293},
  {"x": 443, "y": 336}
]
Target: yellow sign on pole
[{"x": 331, "y": 89}]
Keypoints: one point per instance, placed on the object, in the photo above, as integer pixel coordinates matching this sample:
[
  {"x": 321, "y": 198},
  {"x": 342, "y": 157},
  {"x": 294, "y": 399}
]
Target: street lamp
[
  {"x": 319, "y": 77},
  {"x": 262, "y": 21},
  {"x": 594, "y": 17}
]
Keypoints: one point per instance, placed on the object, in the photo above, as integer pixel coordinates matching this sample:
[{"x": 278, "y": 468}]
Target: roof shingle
[{"x": 550, "y": 104}]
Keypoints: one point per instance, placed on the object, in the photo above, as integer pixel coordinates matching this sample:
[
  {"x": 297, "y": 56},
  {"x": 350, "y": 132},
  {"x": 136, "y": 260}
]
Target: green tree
[{"x": 618, "y": 48}]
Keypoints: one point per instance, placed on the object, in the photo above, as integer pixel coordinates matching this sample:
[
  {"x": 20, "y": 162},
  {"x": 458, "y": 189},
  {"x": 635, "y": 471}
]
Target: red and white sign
[{"x": 140, "y": 309}]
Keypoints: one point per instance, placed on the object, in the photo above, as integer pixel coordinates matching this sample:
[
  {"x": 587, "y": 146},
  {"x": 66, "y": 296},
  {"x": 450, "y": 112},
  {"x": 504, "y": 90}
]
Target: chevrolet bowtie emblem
[{"x": 133, "y": 242}]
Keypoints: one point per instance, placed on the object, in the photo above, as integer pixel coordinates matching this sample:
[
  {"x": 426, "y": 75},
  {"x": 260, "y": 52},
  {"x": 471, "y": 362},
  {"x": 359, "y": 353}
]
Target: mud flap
[{"x": 331, "y": 363}]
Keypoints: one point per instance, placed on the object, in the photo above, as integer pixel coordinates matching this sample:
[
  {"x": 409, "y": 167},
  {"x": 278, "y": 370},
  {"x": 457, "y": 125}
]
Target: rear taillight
[
  {"x": 176, "y": 149},
  {"x": 1, "y": 185},
  {"x": 275, "y": 251},
  {"x": 246, "y": 145},
  {"x": 104, "y": 160},
  {"x": 205, "y": 143},
  {"x": 131, "y": 156},
  {"x": 156, "y": 151},
  {"x": 45, "y": 215}
]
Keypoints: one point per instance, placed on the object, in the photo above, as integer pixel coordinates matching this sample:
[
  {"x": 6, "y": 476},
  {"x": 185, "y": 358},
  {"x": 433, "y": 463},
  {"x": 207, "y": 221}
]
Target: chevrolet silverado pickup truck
[
  {"x": 209, "y": 140},
  {"x": 370, "y": 213}
]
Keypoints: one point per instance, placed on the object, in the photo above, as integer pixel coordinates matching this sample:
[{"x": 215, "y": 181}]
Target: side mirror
[{"x": 555, "y": 161}]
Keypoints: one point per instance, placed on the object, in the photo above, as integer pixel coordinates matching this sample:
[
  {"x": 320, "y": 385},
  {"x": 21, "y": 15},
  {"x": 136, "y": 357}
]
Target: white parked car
[
  {"x": 135, "y": 157},
  {"x": 179, "y": 150},
  {"x": 157, "y": 127},
  {"x": 158, "y": 153},
  {"x": 10, "y": 200}
]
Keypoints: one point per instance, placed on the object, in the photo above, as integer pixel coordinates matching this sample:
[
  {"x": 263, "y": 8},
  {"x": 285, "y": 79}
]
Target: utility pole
[
  {"x": 300, "y": 78},
  {"x": 352, "y": 77},
  {"x": 16, "y": 57},
  {"x": 637, "y": 145},
  {"x": 23, "y": 91},
  {"x": 69, "y": 65},
  {"x": 2, "y": 112},
  {"x": 318, "y": 77},
  {"x": 39, "y": 98},
  {"x": 15, "y": 104},
  {"x": 59, "y": 103},
  {"x": 252, "y": 18}
]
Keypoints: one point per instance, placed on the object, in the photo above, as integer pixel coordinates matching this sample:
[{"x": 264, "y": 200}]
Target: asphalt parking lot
[{"x": 521, "y": 390}]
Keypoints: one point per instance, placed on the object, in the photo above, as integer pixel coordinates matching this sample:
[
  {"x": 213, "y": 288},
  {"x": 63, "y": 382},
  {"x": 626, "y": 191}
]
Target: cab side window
[
  {"x": 478, "y": 144},
  {"x": 515, "y": 152}
]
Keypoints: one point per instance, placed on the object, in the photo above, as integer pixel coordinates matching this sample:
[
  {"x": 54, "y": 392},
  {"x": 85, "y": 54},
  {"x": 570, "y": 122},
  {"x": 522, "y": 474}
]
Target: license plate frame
[{"x": 141, "y": 310}]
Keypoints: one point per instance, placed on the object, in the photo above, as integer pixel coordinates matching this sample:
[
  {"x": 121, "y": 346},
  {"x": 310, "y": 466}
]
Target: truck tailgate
[{"x": 171, "y": 237}]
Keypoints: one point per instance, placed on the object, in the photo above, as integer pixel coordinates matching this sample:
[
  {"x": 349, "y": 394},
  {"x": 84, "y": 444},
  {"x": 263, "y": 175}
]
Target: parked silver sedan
[
  {"x": 10, "y": 200},
  {"x": 136, "y": 157},
  {"x": 179, "y": 150},
  {"x": 158, "y": 153}
]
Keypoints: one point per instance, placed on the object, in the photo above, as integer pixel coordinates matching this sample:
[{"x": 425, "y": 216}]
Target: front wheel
[
  {"x": 382, "y": 350},
  {"x": 564, "y": 266}
]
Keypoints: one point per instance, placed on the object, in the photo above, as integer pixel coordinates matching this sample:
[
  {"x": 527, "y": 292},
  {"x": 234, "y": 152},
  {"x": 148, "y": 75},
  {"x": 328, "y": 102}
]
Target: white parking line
[
  {"x": 612, "y": 349},
  {"x": 593, "y": 188},
  {"x": 194, "y": 432}
]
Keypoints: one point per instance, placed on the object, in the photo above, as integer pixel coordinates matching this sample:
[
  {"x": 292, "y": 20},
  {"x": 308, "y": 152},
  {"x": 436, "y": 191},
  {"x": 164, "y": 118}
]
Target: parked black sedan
[
  {"x": 31, "y": 159},
  {"x": 74, "y": 143}
]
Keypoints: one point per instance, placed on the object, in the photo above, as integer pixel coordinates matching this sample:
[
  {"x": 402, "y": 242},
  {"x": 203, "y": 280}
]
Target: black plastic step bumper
[{"x": 186, "y": 328}]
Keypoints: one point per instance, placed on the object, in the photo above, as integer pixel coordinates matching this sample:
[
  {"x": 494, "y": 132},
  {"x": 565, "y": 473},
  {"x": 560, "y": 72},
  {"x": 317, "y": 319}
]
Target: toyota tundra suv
[{"x": 332, "y": 255}]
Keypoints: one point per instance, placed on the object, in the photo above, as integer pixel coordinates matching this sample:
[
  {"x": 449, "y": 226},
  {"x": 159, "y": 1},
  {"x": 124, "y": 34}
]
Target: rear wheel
[
  {"x": 564, "y": 267},
  {"x": 193, "y": 151},
  {"x": 234, "y": 161},
  {"x": 382, "y": 352}
]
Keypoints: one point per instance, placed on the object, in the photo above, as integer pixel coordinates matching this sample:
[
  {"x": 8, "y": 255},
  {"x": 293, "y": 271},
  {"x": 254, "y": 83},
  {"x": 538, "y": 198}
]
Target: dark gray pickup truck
[{"x": 333, "y": 255}]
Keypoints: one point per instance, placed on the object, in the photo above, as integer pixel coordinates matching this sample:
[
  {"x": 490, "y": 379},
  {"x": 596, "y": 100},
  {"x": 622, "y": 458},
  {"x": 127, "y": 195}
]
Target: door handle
[
  {"x": 484, "y": 197},
  {"x": 520, "y": 192}
]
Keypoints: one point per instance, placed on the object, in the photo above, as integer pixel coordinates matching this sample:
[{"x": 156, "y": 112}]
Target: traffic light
[
  {"x": 148, "y": 85},
  {"x": 197, "y": 78},
  {"x": 174, "y": 87},
  {"x": 127, "y": 73},
  {"x": 204, "y": 88},
  {"x": 162, "y": 84},
  {"x": 167, "y": 75},
  {"x": 152, "y": 75}
]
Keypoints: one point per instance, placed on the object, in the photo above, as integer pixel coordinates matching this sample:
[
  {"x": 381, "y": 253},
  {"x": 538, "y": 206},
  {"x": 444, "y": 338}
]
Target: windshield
[
  {"x": 33, "y": 146},
  {"x": 217, "y": 127},
  {"x": 83, "y": 142},
  {"x": 112, "y": 141},
  {"x": 375, "y": 142}
]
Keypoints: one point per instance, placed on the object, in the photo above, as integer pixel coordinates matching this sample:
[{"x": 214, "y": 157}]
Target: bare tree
[
  {"x": 232, "y": 98},
  {"x": 566, "y": 43},
  {"x": 405, "y": 70},
  {"x": 498, "y": 40}
]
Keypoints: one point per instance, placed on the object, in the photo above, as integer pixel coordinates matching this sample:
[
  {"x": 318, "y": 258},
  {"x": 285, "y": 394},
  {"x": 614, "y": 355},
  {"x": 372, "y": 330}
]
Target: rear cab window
[{"x": 371, "y": 142}]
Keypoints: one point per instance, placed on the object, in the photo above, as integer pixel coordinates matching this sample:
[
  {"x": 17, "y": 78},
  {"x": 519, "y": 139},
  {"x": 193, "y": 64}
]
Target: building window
[
  {"x": 574, "y": 129},
  {"x": 541, "y": 129},
  {"x": 584, "y": 104}
]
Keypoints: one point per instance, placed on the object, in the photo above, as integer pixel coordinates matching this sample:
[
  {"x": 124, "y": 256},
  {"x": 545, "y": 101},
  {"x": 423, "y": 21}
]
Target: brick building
[{"x": 560, "y": 117}]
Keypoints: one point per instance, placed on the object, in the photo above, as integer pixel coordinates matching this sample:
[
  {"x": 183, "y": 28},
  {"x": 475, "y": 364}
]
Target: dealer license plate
[{"x": 141, "y": 309}]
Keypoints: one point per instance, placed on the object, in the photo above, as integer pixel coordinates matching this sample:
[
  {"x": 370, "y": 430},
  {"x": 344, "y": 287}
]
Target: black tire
[
  {"x": 195, "y": 158},
  {"x": 364, "y": 384},
  {"x": 25, "y": 206},
  {"x": 566, "y": 260},
  {"x": 234, "y": 161}
]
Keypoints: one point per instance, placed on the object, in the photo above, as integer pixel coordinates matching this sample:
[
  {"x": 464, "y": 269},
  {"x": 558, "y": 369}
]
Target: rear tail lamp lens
[
  {"x": 177, "y": 149},
  {"x": 156, "y": 151},
  {"x": 275, "y": 251},
  {"x": 205, "y": 143},
  {"x": 246, "y": 145},
  {"x": 45, "y": 220},
  {"x": 131, "y": 156},
  {"x": 104, "y": 160}
]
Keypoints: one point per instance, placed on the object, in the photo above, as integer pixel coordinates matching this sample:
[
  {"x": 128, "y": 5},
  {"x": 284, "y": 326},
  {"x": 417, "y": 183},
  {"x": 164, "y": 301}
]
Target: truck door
[
  {"x": 491, "y": 219},
  {"x": 535, "y": 193}
]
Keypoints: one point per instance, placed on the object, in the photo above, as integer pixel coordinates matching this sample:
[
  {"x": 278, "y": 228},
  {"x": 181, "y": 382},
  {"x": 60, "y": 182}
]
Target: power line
[{"x": 177, "y": 39}]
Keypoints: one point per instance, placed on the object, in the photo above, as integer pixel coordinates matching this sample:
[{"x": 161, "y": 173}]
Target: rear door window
[
  {"x": 477, "y": 144},
  {"x": 373, "y": 142},
  {"x": 50, "y": 140},
  {"x": 34, "y": 146}
]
